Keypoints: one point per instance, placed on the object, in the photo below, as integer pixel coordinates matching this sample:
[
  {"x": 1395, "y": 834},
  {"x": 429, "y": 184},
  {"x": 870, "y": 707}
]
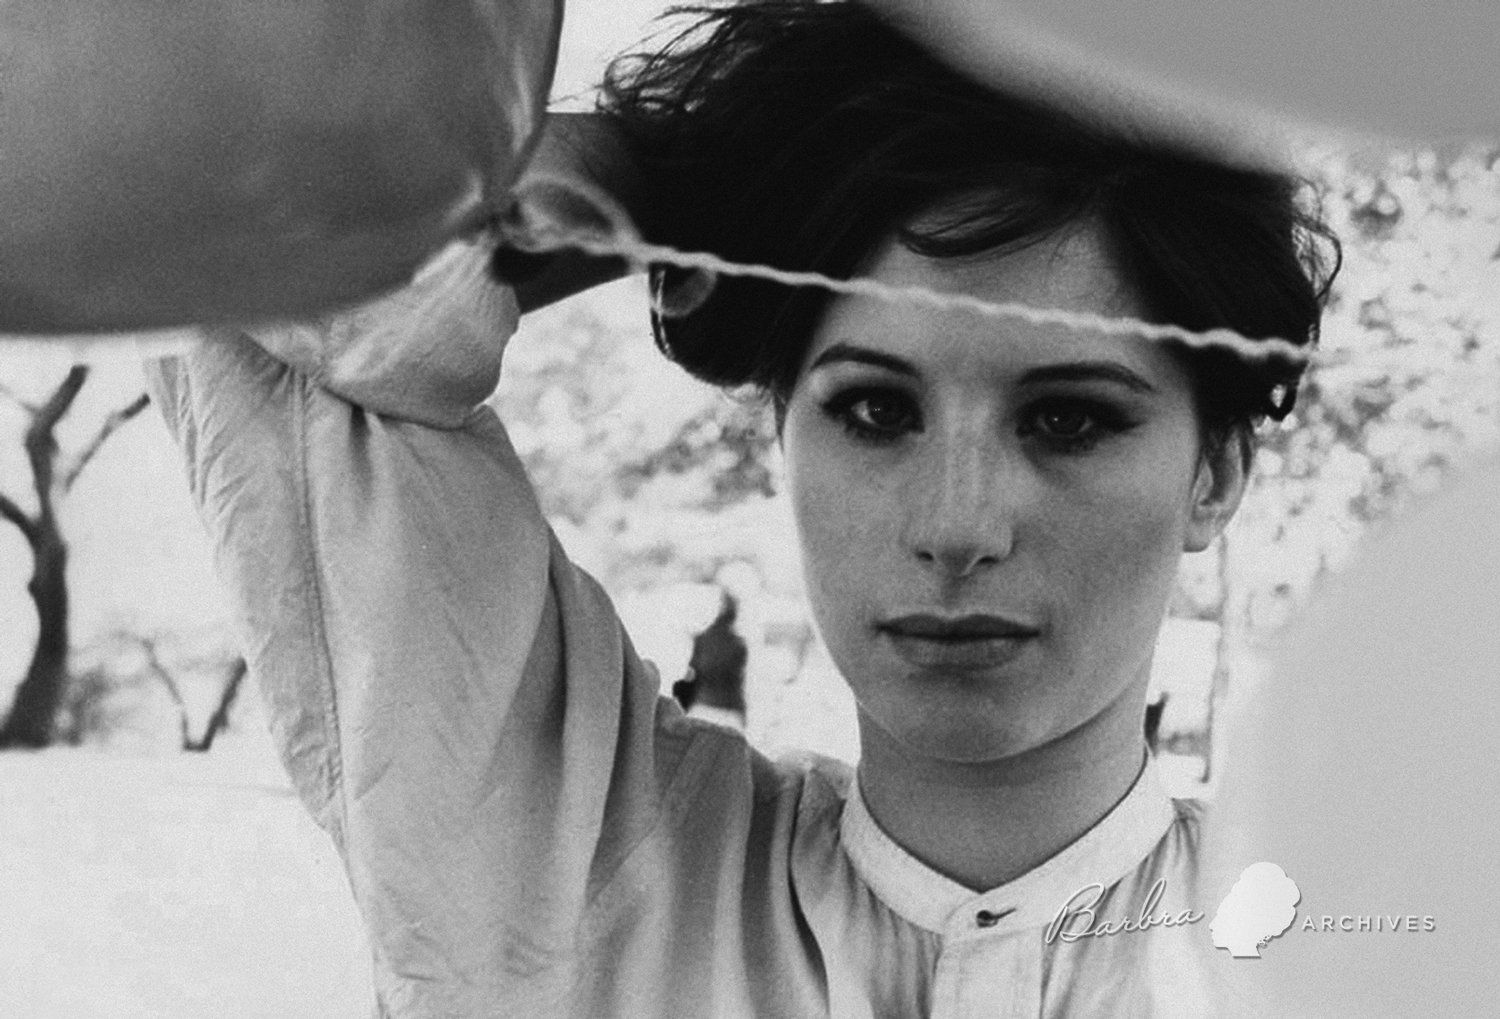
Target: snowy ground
[{"x": 177, "y": 886}]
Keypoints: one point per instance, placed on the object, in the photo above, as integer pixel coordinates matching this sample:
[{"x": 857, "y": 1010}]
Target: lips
[{"x": 960, "y": 643}]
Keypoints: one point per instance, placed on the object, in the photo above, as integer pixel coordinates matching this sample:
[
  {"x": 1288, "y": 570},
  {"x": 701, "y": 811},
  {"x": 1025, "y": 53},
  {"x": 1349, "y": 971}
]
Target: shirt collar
[{"x": 1107, "y": 852}]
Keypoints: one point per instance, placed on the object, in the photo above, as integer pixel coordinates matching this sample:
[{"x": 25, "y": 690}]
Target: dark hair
[{"x": 802, "y": 134}]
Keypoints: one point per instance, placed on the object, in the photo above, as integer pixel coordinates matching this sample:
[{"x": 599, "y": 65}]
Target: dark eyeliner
[
  {"x": 841, "y": 407},
  {"x": 1105, "y": 420}
]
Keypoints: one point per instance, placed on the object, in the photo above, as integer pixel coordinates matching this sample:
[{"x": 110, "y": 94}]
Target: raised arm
[{"x": 455, "y": 702}]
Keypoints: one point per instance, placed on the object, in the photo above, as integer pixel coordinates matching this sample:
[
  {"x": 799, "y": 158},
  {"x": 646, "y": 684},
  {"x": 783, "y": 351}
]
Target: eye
[
  {"x": 1065, "y": 422},
  {"x": 874, "y": 414},
  {"x": 1073, "y": 425}
]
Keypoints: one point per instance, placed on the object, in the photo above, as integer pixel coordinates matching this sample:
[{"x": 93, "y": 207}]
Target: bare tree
[
  {"x": 30, "y": 721},
  {"x": 218, "y": 719}
]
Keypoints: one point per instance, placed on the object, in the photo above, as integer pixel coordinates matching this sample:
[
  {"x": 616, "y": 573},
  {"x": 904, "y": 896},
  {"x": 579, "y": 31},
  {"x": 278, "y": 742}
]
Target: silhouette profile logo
[{"x": 1261, "y": 905}]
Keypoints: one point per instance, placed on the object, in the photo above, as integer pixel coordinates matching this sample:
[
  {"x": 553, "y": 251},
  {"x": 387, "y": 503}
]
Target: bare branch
[
  {"x": 15, "y": 398},
  {"x": 41, "y": 444},
  {"x": 219, "y": 720},
  {"x": 154, "y": 663},
  {"x": 111, "y": 423},
  {"x": 61, "y": 400},
  {"x": 10, "y": 511}
]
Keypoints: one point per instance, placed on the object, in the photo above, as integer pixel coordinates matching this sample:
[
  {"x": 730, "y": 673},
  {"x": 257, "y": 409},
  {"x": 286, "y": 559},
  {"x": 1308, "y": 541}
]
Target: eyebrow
[
  {"x": 863, "y": 355},
  {"x": 1088, "y": 371},
  {"x": 1071, "y": 371}
]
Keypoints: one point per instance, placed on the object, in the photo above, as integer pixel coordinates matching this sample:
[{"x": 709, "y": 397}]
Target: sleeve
[{"x": 455, "y": 702}]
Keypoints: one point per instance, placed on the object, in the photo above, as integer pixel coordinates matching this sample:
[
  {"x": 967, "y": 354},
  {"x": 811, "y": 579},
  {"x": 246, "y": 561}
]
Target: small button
[{"x": 986, "y": 918}]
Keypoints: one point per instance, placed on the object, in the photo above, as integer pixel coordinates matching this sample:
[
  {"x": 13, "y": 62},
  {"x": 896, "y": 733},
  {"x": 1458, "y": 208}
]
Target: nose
[{"x": 965, "y": 501}]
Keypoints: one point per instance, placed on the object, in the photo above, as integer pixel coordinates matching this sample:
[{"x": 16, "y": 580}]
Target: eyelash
[
  {"x": 1103, "y": 419},
  {"x": 1106, "y": 420},
  {"x": 841, "y": 408}
]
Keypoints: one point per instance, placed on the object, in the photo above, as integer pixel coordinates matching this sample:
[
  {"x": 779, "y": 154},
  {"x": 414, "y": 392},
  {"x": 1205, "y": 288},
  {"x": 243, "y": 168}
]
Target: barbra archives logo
[{"x": 1261, "y": 906}]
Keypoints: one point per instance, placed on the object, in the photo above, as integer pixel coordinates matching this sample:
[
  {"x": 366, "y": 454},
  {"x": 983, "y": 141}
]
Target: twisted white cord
[{"x": 532, "y": 231}]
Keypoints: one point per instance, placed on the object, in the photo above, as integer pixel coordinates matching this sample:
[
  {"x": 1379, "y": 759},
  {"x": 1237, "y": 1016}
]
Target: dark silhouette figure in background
[
  {"x": 716, "y": 670},
  {"x": 1153, "y": 720}
]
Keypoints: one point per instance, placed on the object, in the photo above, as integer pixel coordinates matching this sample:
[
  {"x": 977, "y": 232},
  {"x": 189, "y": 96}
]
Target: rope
[{"x": 533, "y": 227}]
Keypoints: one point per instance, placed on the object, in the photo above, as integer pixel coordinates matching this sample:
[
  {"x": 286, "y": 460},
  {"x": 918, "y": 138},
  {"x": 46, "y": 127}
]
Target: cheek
[
  {"x": 818, "y": 492},
  {"x": 843, "y": 517},
  {"x": 1139, "y": 507},
  {"x": 1124, "y": 548}
]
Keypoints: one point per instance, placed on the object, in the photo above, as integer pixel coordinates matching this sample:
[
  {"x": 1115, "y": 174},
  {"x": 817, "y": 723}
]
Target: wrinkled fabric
[{"x": 528, "y": 827}]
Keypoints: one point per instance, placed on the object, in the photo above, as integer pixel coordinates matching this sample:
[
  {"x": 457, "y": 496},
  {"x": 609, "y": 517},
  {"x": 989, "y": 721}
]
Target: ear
[{"x": 1223, "y": 470}]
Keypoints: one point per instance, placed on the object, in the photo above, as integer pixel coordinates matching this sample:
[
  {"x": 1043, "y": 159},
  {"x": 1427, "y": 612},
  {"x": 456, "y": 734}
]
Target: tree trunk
[
  {"x": 33, "y": 712},
  {"x": 34, "y": 709}
]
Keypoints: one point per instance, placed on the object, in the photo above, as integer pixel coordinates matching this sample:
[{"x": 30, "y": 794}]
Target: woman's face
[{"x": 991, "y": 512}]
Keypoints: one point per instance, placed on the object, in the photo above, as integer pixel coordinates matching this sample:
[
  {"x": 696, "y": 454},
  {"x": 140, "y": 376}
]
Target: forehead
[{"x": 1070, "y": 273}]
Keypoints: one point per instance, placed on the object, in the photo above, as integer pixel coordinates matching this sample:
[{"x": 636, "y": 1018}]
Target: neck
[{"x": 988, "y": 823}]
